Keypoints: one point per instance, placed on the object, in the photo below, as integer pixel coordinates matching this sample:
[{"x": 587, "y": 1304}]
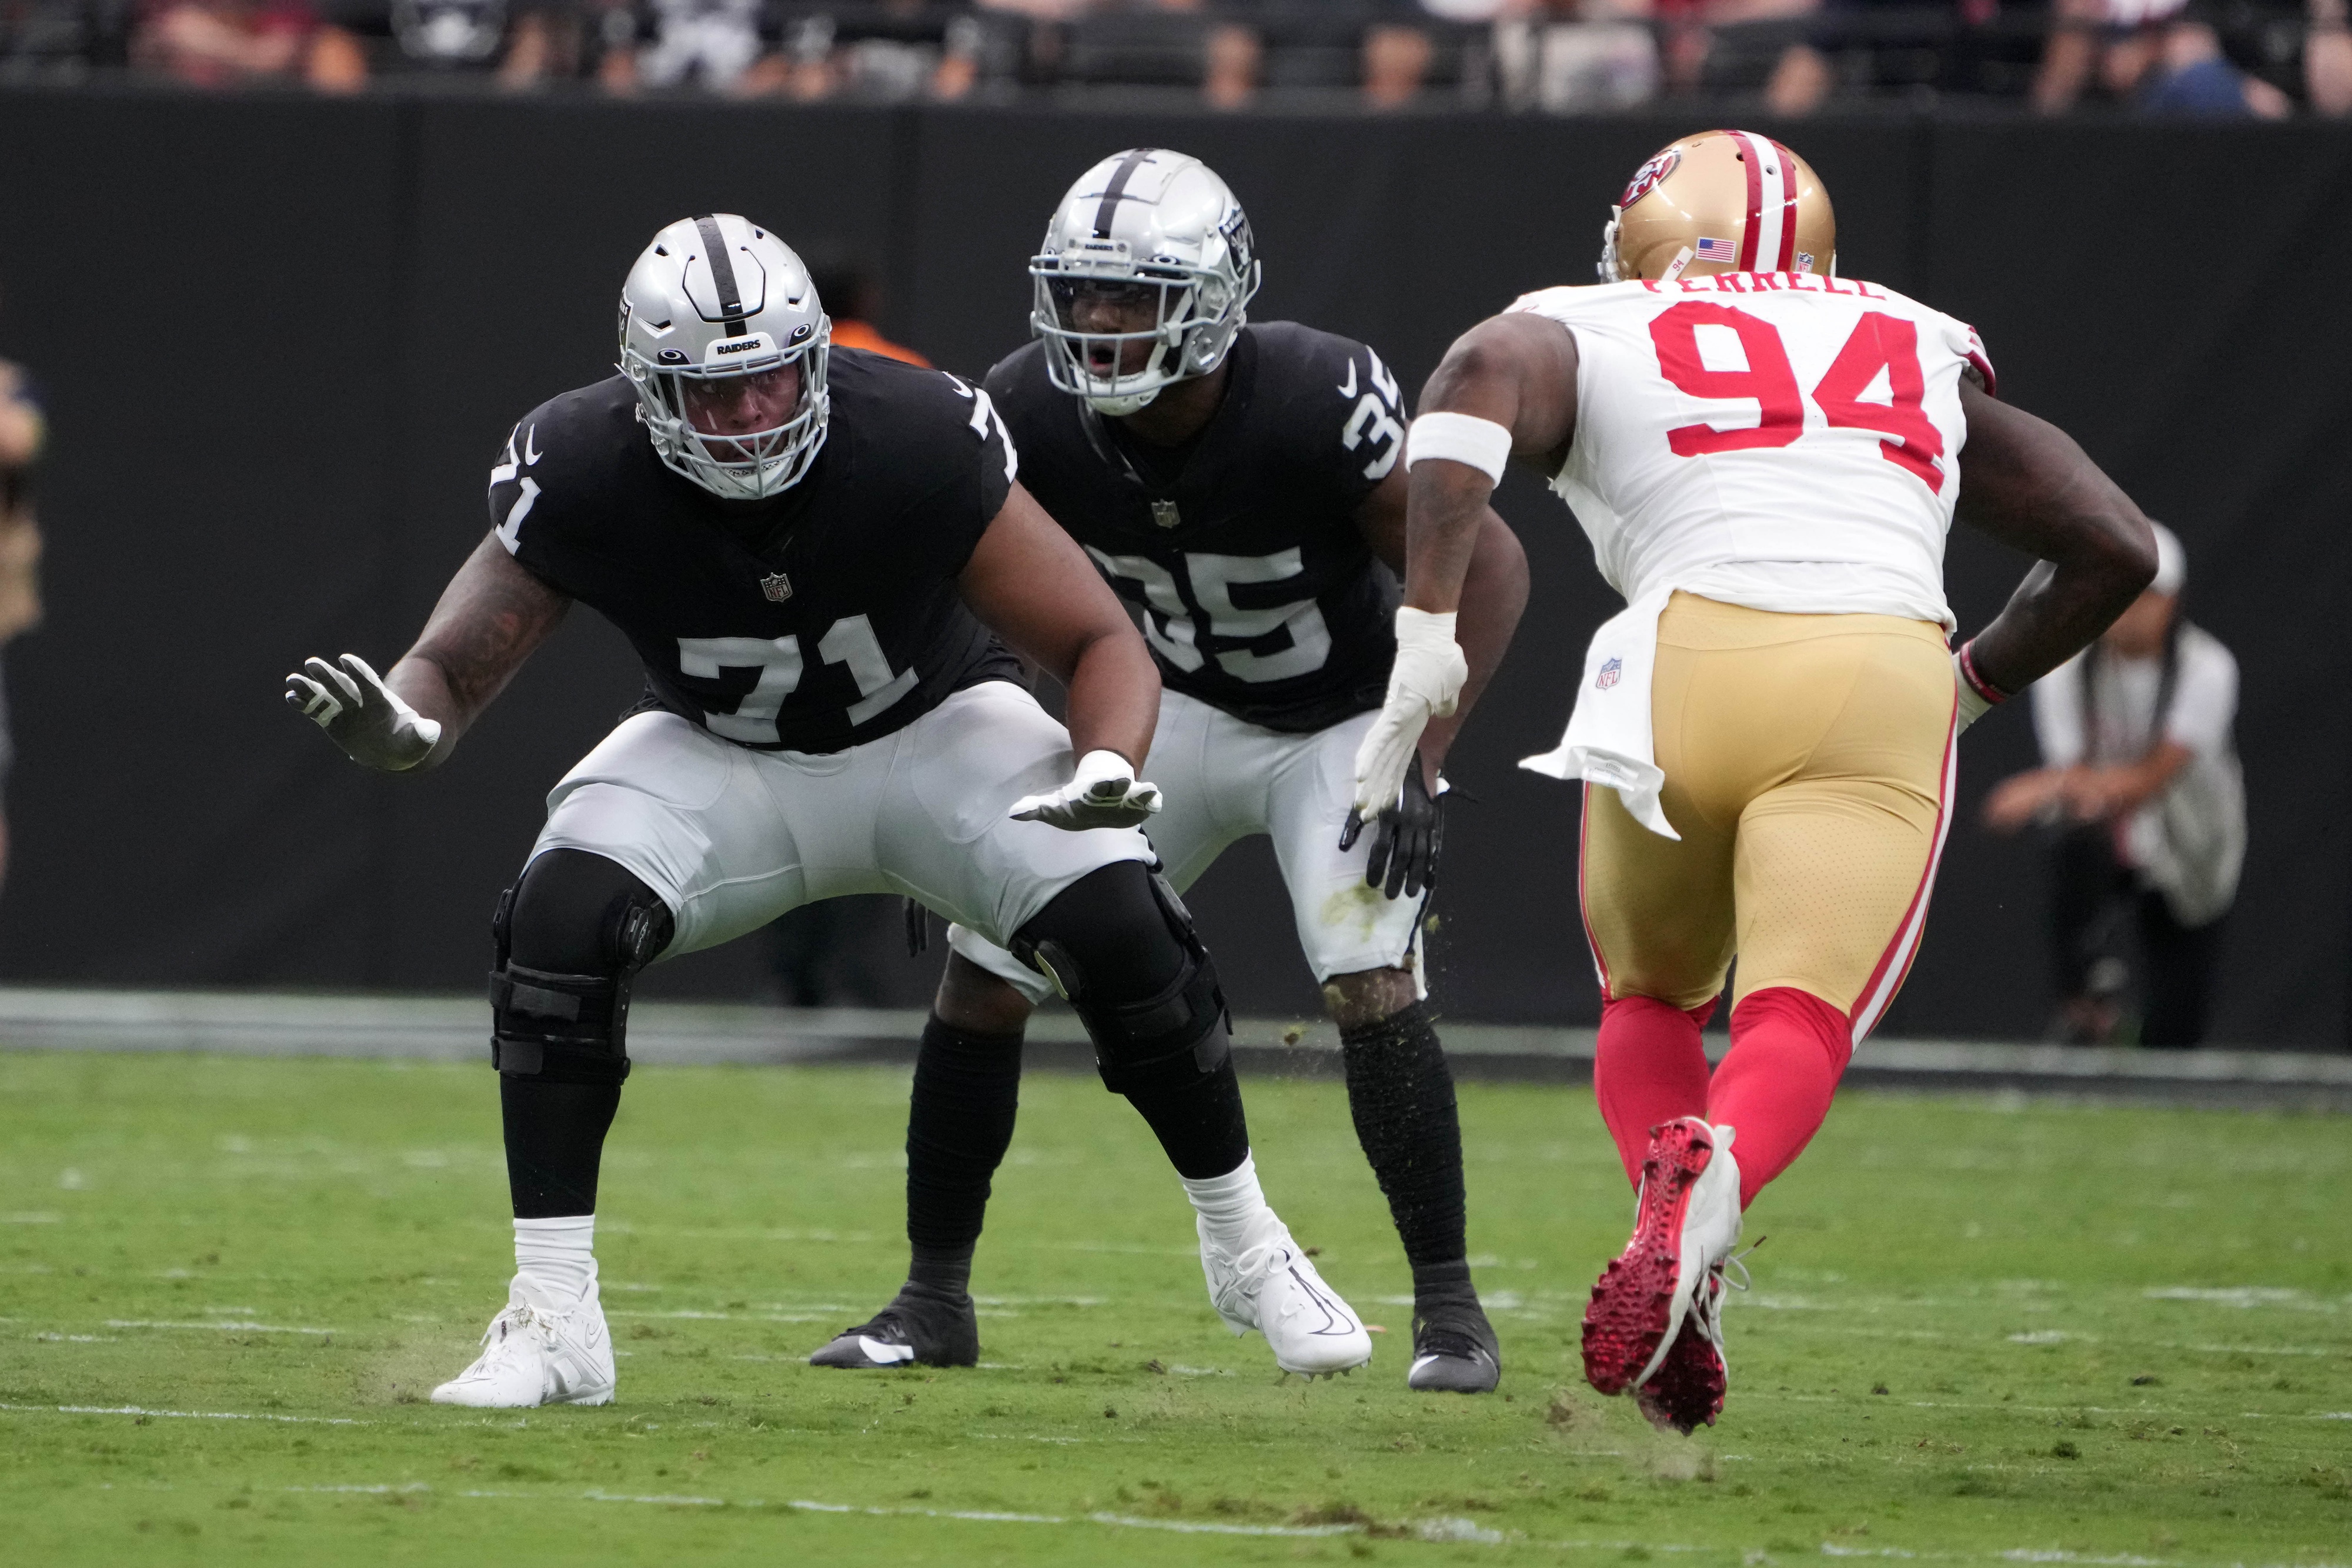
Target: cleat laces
[{"x": 1707, "y": 1301}]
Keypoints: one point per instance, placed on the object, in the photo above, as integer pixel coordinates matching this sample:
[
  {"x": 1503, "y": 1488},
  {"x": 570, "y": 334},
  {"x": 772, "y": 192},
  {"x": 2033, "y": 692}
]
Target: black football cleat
[
  {"x": 1455, "y": 1351},
  {"x": 918, "y": 1328}
]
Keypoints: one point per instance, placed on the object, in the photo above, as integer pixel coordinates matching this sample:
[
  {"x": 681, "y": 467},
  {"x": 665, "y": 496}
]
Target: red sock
[
  {"x": 1788, "y": 1049},
  {"x": 1647, "y": 1068}
]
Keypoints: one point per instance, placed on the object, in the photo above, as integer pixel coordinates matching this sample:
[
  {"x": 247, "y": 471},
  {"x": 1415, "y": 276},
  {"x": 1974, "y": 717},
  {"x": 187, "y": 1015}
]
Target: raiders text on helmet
[
  {"x": 716, "y": 296},
  {"x": 1150, "y": 219},
  {"x": 1722, "y": 201}
]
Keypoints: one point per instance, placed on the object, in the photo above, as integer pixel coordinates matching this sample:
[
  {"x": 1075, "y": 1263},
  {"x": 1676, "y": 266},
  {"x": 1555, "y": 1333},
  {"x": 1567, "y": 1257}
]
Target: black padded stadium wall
[{"x": 354, "y": 300}]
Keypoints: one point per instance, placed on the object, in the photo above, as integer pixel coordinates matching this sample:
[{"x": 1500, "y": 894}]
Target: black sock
[
  {"x": 1401, "y": 1093},
  {"x": 1198, "y": 1119},
  {"x": 555, "y": 1142},
  {"x": 967, "y": 1093},
  {"x": 1442, "y": 1282}
]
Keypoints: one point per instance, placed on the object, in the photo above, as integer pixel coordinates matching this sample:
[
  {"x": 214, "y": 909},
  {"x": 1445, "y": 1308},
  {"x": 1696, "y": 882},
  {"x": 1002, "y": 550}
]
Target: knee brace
[
  {"x": 571, "y": 1024},
  {"x": 1101, "y": 942}
]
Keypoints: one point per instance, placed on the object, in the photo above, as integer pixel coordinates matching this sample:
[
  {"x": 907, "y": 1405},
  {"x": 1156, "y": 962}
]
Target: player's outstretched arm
[
  {"x": 1031, "y": 584},
  {"x": 1493, "y": 595},
  {"x": 489, "y": 619},
  {"x": 1403, "y": 860},
  {"x": 1506, "y": 389},
  {"x": 2024, "y": 482},
  {"x": 1516, "y": 372}
]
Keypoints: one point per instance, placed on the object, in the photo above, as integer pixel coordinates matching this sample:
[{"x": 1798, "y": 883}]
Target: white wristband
[
  {"x": 1101, "y": 764},
  {"x": 1464, "y": 438}
]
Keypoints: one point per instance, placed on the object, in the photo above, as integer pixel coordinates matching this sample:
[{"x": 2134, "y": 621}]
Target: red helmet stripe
[
  {"x": 1752, "y": 162},
  {"x": 1787, "y": 260}
]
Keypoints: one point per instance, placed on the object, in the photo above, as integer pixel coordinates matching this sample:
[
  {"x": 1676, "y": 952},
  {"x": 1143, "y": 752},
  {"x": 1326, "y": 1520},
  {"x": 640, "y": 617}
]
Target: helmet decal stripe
[
  {"x": 1114, "y": 192},
  {"x": 723, "y": 273},
  {"x": 1787, "y": 259},
  {"x": 1751, "y": 162}
]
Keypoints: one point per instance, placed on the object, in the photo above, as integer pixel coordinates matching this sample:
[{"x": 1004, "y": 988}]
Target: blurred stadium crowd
[{"x": 2269, "y": 59}]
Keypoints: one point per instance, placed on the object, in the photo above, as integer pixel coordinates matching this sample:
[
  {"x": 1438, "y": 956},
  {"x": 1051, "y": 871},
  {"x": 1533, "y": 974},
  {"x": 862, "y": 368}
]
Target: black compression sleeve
[
  {"x": 1200, "y": 1122},
  {"x": 967, "y": 1093},
  {"x": 555, "y": 1142},
  {"x": 1401, "y": 1095}
]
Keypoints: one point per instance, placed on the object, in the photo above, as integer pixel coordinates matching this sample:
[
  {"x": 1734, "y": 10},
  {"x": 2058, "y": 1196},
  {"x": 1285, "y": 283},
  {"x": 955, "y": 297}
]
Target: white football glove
[
  {"x": 1425, "y": 683},
  {"x": 360, "y": 714},
  {"x": 1103, "y": 793}
]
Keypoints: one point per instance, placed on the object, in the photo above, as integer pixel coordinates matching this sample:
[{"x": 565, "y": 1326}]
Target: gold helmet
[{"x": 1722, "y": 201}]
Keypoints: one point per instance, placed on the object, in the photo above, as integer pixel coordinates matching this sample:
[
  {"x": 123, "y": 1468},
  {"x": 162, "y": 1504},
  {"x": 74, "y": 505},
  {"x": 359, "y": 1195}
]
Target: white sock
[
  {"x": 558, "y": 1256},
  {"x": 1231, "y": 1206}
]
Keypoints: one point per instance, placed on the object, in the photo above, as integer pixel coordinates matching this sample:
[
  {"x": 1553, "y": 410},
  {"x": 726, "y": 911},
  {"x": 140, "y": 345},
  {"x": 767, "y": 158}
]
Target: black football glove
[{"x": 1404, "y": 849}]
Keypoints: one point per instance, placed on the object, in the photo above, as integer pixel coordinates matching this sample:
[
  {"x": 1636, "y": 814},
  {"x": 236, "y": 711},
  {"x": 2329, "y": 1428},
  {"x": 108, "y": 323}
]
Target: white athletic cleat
[
  {"x": 534, "y": 1354},
  {"x": 1271, "y": 1286}
]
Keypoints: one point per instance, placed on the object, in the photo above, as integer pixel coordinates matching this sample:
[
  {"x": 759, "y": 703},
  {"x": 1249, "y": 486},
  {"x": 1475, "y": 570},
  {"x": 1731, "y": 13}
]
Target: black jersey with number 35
[
  {"x": 1257, "y": 591},
  {"x": 817, "y": 620}
]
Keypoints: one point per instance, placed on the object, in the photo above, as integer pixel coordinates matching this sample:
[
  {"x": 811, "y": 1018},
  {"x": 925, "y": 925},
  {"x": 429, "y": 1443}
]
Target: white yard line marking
[
  {"x": 2242, "y": 1296},
  {"x": 736, "y": 1317},
  {"x": 183, "y": 1415},
  {"x": 232, "y": 1327}
]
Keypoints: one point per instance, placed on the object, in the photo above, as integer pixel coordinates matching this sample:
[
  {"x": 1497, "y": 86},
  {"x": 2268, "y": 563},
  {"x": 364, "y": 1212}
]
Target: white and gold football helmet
[{"x": 1721, "y": 201}]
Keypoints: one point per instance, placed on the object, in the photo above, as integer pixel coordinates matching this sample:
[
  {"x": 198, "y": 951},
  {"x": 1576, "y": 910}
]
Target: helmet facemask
[
  {"x": 1196, "y": 311},
  {"x": 748, "y": 466}
]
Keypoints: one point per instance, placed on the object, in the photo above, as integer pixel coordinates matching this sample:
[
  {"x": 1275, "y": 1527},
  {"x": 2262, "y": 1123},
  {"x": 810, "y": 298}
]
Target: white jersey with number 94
[{"x": 1777, "y": 440}]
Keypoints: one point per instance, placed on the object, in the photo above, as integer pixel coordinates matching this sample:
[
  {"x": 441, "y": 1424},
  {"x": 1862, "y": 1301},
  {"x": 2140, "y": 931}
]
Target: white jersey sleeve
[{"x": 1783, "y": 441}]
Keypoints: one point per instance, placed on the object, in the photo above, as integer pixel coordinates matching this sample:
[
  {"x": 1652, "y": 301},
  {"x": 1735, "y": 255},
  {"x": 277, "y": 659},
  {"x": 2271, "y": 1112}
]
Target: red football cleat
[{"x": 1685, "y": 1223}]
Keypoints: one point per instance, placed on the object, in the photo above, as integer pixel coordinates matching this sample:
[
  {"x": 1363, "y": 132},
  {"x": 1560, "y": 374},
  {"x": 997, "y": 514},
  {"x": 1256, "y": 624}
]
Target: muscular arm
[
  {"x": 491, "y": 618},
  {"x": 1031, "y": 585},
  {"x": 1494, "y": 593},
  {"x": 1518, "y": 370},
  {"x": 2025, "y": 483}
]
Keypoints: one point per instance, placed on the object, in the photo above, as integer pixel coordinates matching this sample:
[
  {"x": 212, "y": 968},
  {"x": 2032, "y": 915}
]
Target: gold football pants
[{"x": 1808, "y": 769}]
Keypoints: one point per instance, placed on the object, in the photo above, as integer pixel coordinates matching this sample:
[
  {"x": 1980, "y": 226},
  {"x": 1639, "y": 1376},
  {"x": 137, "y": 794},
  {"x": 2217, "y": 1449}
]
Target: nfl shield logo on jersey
[
  {"x": 777, "y": 587},
  {"x": 1609, "y": 673},
  {"x": 1164, "y": 513}
]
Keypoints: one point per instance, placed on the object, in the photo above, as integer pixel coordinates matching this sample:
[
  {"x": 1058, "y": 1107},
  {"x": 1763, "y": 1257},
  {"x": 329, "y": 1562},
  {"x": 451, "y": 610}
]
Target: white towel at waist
[{"x": 1609, "y": 738}]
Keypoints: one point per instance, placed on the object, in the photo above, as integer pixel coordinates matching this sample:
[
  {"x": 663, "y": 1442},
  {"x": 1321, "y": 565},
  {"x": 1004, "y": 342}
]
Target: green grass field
[{"x": 1979, "y": 1331}]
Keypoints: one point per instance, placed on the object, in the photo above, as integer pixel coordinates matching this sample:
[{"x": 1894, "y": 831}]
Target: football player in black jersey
[
  {"x": 809, "y": 550},
  {"x": 1239, "y": 485}
]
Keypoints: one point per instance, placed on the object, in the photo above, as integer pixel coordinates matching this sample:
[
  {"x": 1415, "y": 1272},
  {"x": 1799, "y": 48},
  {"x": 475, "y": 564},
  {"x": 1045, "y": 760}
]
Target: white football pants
[
  {"x": 731, "y": 838},
  {"x": 1222, "y": 780}
]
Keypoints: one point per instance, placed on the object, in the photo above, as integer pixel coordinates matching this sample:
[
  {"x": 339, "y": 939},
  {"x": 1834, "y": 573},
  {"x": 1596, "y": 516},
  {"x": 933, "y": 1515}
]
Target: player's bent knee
[
  {"x": 1119, "y": 945},
  {"x": 586, "y": 924},
  {"x": 969, "y": 998},
  {"x": 1367, "y": 996}
]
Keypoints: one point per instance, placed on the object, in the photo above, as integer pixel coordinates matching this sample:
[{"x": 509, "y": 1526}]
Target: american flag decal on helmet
[{"x": 1723, "y": 250}]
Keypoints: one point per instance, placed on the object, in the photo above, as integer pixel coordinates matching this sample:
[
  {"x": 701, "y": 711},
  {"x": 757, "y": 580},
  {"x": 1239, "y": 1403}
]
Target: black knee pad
[
  {"x": 1119, "y": 945},
  {"x": 594, "y": 925}
]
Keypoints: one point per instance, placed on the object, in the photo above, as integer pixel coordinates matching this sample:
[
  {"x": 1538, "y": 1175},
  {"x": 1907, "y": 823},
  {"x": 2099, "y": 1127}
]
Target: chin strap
[{"x": 1120, "y": 407}]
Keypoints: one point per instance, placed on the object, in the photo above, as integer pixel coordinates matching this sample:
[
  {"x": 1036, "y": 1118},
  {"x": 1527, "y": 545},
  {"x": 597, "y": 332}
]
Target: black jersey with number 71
[{"x": 817, "y": 620}]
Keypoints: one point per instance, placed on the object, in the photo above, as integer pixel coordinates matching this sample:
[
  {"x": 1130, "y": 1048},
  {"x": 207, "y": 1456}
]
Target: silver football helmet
[
  {"x": 716, "y": 298},
  {"x": 1144, "y": 225}
]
